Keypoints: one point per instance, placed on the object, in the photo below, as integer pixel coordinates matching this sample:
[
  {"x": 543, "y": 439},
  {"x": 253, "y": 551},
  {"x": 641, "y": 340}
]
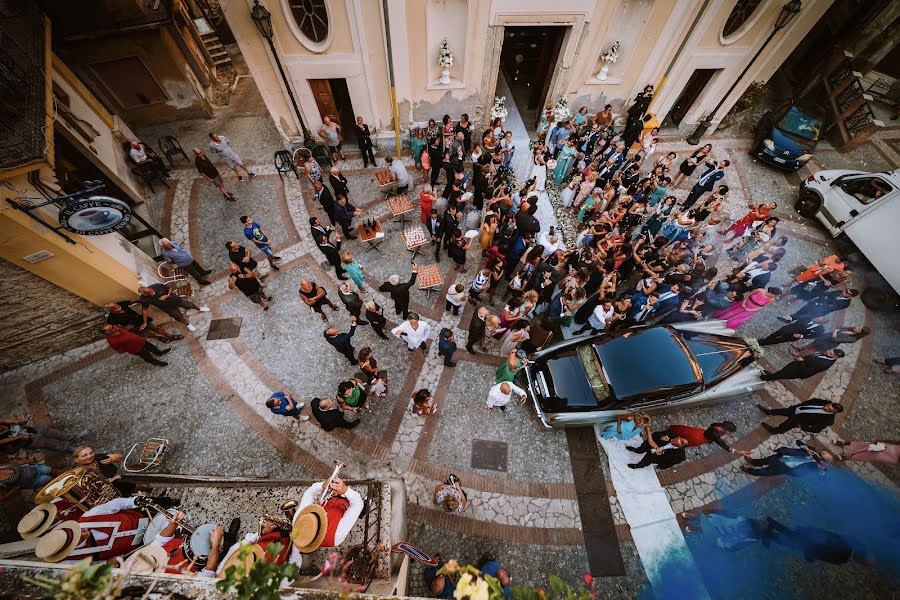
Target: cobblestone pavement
[{"x": 210, "y": 400}]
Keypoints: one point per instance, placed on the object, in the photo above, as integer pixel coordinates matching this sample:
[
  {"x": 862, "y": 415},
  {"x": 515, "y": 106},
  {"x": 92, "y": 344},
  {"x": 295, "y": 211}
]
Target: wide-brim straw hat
[
  {"x": 59, "y": 543},
  {"x": 149, "y": 559},
  {"x": 310, "y": 527},
  {"x": 38, "y": 520},
  {"x": 245, "y": 563}
]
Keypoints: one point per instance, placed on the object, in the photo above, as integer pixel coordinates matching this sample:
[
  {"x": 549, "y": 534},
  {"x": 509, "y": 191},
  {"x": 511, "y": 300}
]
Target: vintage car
[{"x": 596, "y": 378}]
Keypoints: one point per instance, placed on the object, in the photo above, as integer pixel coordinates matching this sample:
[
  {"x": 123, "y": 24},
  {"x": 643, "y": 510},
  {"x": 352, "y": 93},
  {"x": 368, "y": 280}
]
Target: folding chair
[
  {"x": 176, "y": 278},
  {"x": 146, "y": 455}
]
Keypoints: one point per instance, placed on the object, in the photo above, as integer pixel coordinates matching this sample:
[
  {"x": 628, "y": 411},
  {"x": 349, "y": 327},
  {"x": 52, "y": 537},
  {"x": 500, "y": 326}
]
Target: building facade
[{"x": 335, "y": 54}]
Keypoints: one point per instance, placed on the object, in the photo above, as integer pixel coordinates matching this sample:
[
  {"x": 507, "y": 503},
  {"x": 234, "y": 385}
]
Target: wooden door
[
  {"x": 321, "y": 90},
  {"x": 549, "y": 56},
  {"x": 688, "y": 96}
]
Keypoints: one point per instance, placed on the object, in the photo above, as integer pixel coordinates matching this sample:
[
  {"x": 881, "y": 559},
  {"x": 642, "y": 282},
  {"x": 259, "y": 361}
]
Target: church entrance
[{"x": 527, "y": 59}]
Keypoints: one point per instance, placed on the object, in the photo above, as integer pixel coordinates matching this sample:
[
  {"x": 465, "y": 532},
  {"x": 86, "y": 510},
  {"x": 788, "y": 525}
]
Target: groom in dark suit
[
  {"x": 668, "y": 453},
  {"x": 714, "y": 172},
  {"x": 811, "y": 416}
]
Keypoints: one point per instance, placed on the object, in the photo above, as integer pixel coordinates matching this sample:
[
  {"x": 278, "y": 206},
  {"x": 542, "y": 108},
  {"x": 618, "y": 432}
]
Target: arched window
[
  {"x": 311, "y": 17},
  {"x": 742, "y": 11}
]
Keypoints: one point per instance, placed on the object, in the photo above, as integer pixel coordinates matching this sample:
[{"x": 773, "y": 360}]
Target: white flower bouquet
[
  {"x": 561, "y": 110},
  {"x": 754, "y": 347},
  {"x": 499, "y": 109},
  {"x": 611, "y": 55},
  {"x": 445, "y": 57}
]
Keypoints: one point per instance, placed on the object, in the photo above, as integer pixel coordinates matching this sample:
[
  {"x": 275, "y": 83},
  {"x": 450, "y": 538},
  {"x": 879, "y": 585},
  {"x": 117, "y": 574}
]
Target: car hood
[{"x": 790, "y": 143}]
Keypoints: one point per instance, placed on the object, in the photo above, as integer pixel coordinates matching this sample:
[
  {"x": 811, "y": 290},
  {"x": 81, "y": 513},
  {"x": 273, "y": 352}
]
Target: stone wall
[{"x": 46, "y": 319}]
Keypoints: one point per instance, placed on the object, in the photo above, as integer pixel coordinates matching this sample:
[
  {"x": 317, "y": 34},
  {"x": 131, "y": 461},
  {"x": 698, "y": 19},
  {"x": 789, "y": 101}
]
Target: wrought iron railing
[{"x": 22, "y": 88}]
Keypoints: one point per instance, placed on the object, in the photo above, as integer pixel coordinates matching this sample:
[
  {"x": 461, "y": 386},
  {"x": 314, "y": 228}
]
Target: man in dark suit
[
  {"x": 447, "y": 346},
  {"x": 714, "y": 172},
  {"x": 805, "y": 367},
  {"x": 329, "y": 415},
  {"x": 399, "y": 292},
  {"x": 669, "y": 300},
  {"x": 796, "y": 330},
  {"x": 669, "y": 451},
  {"x": 332, "y": 251},
  {"x": 435, "y": 226},
  {"x": 526, "y": 223},
  {"x": 325, "y": 199},
  {"x": 476, "y": 329},
  {"x": 825, "y": 304},
  {"x": 338, "y": 183},
  {"x": 449, "y": 224},
  {"x": 342, "y": 341},
  {"x": 789, "y": 461},
  {"x": 375, "y": 315},
  {"x": 343, "y": 214},
  {"x": 811, "y": 416}
]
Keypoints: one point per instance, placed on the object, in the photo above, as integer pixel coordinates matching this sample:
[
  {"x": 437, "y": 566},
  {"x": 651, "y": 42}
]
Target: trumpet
[
  {"x": 327, "y": 492},
  {"x": 146, "y": 503}
]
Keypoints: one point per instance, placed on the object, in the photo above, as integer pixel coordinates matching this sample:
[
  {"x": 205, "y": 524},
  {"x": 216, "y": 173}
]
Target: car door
[{"x": 856, "y": 194}]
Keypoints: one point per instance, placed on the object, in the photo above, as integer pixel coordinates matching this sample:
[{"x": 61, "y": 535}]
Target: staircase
[{"x": 216, "y": 50}]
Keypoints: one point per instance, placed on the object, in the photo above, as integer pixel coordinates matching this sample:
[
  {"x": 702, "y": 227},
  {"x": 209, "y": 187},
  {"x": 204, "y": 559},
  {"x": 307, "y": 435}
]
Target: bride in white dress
[{"x": 539, "y": 172}]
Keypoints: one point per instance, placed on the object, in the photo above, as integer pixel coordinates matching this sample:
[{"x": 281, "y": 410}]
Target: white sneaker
[
  {"x": 303, "y": 418},
  {"x": 191, "y": 328},
  {"x": 301, "y": 404},
  {"x": 204, "y": 309}
]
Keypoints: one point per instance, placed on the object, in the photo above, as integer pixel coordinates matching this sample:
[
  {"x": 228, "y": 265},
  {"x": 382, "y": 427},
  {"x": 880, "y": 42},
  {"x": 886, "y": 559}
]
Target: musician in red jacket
[
  {"x": 340, "y": 512},
  {"x": 108, "y": 530},
  {"x": 273, "y": 530}
]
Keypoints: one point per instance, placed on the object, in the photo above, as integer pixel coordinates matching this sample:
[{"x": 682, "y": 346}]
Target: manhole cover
[
  {"x": 223, "y": 329},
  {"x": 325, "y": 265},
  {"x": 489, "y": 455}
]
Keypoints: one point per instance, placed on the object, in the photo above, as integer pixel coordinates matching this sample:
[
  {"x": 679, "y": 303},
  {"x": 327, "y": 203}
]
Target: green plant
[
  {"x": 262, "y": 581},
  {"x": 85, "y": 580},
  {"x": 559, "y": 590},
  {"x": 756, "y": 94}
]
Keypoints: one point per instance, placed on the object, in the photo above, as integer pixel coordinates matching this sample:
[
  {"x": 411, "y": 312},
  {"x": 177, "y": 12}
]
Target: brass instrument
[
  {"x": 327, "y": 492},
  {"x": 283, "y": 524},
  {"x": 84, "y": 488},
  {"x": 146, "y": 503}
]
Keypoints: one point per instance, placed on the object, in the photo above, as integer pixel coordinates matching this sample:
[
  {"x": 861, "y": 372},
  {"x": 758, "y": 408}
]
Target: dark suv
[{"x": 787, "y": 135}]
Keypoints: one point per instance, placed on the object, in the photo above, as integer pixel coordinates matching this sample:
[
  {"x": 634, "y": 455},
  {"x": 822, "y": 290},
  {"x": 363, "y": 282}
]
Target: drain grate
[{"x": 492, "y": 456}]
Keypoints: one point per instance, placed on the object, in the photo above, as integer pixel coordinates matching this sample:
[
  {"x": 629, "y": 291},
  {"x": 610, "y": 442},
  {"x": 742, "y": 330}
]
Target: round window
[
  {"x": 742, "y": 11},
  {"x": 311, "y": 17}
]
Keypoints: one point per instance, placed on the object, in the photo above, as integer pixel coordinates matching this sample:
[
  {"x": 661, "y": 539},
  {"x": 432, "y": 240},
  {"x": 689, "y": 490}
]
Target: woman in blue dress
[
  {"x": 628, "y": 427},
  {"x": 564, "y": 161}
]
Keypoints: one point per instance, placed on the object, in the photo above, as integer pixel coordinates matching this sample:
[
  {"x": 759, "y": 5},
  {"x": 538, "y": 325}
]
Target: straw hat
[
  {"x": 37, "y": 521},
  {"x": 148, "y": 559},
  {"x": 254, "y": 553},
  {"x": 59, "y": 543},
  {"x": 310, "y": 527}
]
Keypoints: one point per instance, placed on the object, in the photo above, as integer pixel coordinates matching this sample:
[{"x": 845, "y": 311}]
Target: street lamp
[
  {"x": 788, "y": 12},
  {"x": 263, "y": 20}
]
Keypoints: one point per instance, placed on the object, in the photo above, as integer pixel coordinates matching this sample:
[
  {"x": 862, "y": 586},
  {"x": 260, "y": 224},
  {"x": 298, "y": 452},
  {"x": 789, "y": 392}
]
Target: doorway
[
  {"x": 333, "y": 99},
  {"x": 527, "y": 59},
  {"x": 688, "y": 96}
]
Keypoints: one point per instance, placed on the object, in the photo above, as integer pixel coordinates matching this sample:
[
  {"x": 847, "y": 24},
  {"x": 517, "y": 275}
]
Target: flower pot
[
  {"x": 601, "y": 76},
  {"x": 445, "y": 76}
]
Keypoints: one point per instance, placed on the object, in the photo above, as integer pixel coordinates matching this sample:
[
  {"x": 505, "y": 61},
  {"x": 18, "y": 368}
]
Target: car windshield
[
  {"x": 797, "y": 122},
  {"x": 717, "y": 357}
]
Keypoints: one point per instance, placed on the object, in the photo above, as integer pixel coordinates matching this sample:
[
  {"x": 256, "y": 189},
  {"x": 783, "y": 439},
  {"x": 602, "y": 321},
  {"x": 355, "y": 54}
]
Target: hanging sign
[{"x": 97, "y": 215}]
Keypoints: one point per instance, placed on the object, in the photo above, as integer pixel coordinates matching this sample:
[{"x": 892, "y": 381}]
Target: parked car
[
  {"x": 786, "y": 136},
  {"x": 596, "y": 378},
  {"x": 864, "y": 207}
]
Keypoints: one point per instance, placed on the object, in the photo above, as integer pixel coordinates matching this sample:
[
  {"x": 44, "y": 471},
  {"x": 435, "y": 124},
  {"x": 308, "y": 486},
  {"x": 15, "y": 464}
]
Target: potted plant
[
  {"x": 608, "y": 58},
  {"x": 445, "y": 60},
  {"x": 499, "y": 109}
]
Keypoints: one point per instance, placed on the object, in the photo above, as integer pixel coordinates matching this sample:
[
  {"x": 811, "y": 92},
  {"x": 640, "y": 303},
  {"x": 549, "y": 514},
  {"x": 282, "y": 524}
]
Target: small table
[
  {"x": 385, "y": 180},
  {"x": 373, "y": 237},
  {"x": 414, "y": 237},
  {"x": 400, "y": 206},
  {"x": 430, "y": 279}
]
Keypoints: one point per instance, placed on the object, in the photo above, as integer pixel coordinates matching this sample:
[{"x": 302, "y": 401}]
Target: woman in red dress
[
  {"x": 426, "y": 201},
  {"x": 697, "y": 436},
  {"x": 758, "y": 212}
]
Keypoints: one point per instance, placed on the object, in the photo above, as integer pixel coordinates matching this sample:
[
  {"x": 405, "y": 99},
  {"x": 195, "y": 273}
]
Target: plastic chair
[
  {"x": 285, "y": 164},
  {"x": 145, "y": 456},
  {"x": 170, "y": 147},
  {"x": 172, "y": 274}
]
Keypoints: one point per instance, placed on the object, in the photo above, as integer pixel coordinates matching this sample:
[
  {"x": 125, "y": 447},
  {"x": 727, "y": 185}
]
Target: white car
[{"x": 864, "y": 207}]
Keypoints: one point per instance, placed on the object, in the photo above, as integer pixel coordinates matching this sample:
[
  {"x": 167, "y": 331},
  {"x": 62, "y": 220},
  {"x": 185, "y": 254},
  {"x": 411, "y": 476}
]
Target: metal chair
[
  {"x": 148, "y": 172},
  {"x": 145, "y": 456},
  {"x": 170, "y": 147},
  {"x": 285, "y": 164},
  {"x": 176, "y": 278}
]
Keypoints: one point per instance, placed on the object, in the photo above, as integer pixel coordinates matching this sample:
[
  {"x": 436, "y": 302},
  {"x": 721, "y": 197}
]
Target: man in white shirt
[
  {"x": 549, "y": 242},
  {"x": 500, "y": 395},
  {"x": 141, "y": 155},
  {"x": 413, "y": 331},
  {"x": 398, "y": 170},
  {"x": 599, "y": 319}
]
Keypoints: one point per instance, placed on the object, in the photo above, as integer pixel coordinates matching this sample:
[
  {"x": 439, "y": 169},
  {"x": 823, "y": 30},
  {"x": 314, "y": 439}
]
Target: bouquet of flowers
[
  {"x": 499, "y": 109},
  {"x": 754, "y": 347},
  {"x": 611, "y": 55},
  {"x": 561, "y": 110},
  {"x": 445, "y": 57}
]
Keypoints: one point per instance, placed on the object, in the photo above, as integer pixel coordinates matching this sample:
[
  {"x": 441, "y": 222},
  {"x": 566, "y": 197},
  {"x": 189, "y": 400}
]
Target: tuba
[{"x": 84, "y": 488}]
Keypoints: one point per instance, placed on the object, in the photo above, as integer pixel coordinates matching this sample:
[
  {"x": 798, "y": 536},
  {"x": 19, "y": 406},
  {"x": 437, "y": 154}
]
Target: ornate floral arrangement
[
  {"x": 611, "y": 55},
  {"x": 561, "y": 110},
  {"x": 499, "y": 109},
  {"x": 754, "y": 347},
  {"x": 445, "y": 57}
]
